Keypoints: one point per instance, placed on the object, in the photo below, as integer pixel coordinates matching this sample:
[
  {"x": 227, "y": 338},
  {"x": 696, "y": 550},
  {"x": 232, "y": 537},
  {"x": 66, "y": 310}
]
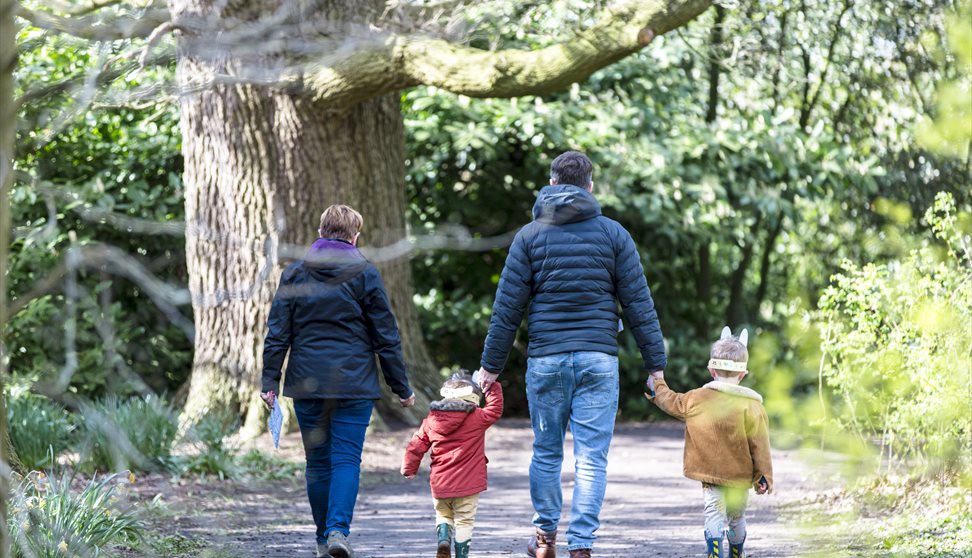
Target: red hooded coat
[{"x": 455, "y": 430}]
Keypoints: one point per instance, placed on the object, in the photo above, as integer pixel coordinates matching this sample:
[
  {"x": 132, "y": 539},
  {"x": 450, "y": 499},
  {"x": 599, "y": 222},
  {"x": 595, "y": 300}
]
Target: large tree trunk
[
  {"x": 260, "y": 166},
  {"x": 8, "y": 127}
]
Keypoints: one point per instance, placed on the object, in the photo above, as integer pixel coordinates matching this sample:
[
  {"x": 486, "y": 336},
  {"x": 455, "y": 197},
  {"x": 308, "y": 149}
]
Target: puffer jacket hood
[
  {"x": 563, "y": 203},
  {"x": 446, "y": 416}
]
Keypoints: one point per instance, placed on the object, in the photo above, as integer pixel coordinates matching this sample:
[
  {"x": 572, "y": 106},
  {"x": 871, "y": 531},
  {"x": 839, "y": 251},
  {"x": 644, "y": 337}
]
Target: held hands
[
  {"x": 409, "y": 477},
  {"x": 486, "y": 379},
  {"x": 761, "y": 487},
  {"x": 650, "y": 383},
  {"x": 407, "y": 402},
  {"x": 268, "y": 398}
]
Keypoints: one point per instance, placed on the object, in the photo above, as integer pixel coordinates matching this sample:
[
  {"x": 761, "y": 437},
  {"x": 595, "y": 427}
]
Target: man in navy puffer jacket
[{"x": 572, "y": 267}]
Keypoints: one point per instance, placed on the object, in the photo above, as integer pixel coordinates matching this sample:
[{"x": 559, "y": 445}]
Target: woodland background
[{"x": 800, "y": 168}]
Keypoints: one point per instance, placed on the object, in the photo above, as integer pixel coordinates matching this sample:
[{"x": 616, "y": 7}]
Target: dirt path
[{"x": 649, "y": 509}]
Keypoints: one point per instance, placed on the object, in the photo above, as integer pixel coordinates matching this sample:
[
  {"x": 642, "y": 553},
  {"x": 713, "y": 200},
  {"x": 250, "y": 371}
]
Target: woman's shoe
[{"x": 338, "y": 545}]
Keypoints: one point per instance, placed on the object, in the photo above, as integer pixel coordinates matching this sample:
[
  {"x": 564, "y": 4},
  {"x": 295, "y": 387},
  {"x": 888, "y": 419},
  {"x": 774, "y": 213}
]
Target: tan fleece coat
[{"x": 726, "y": 433}]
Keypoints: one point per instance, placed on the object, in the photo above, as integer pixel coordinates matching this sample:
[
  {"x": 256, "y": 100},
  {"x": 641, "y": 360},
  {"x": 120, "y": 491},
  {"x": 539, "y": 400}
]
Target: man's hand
[
  {"x": 486, "y": 379},
  {"x": 268, "y": 398},
  {"x": 407, "y": 402},
  {"x": 657, "y": 374}
]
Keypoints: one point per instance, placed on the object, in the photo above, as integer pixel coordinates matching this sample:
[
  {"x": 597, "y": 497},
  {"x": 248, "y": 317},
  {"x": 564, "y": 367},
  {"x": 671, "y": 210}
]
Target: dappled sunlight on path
[{"x": 650, "y": 510}]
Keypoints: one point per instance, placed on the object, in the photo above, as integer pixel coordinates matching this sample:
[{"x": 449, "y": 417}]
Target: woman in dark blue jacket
[{"x": 331, "y": 312}]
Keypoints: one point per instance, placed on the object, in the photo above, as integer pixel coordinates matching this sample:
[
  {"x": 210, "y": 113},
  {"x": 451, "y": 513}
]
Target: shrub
[
  {"x": 214, "y": 456},
  {"x": 264, "y": 466},
  {"x": 132, "y": 433},
  {"x": 896, "y": 343},
  {"x": 48, "y": 519},
  {"x": 40, "y": 429}
]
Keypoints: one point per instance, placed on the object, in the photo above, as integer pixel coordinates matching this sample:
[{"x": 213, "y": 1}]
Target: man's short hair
[
  {"x": 572, "y": 167},
  {"x": 340, "y": 221},
  {"x": 729, "y": 349}
]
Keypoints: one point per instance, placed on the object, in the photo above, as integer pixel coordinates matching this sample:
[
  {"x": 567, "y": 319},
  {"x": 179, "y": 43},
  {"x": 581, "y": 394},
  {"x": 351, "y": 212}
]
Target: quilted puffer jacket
[{"x": 572, "y": 267}]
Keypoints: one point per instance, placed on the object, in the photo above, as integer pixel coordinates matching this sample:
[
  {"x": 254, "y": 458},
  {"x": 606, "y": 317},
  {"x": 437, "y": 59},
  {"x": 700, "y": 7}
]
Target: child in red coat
[{"x": 455, "y": 430}]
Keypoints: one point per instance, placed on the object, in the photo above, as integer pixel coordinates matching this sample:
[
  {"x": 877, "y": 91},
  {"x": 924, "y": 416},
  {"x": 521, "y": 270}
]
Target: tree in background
[
  {"x": 293, "y": 108},
  {"x": 749, "y": 153},
  {"x": 8, "y": 116}
]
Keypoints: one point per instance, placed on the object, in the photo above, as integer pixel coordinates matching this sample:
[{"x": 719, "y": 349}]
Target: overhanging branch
[
  {"x": 94, "y": 28},
  {"x": 389, "y": 62}
]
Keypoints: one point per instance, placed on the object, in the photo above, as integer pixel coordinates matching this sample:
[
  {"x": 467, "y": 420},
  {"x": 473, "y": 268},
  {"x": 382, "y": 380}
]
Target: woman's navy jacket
[
  {"x": 572, "y": 266},
  {"x": 332, "y": 313}
]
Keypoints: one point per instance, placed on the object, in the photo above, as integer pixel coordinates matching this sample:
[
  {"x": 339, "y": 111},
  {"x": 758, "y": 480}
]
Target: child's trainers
[{"x": 713, "y": 547}]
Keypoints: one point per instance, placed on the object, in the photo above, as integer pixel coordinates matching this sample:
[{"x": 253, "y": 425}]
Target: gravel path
[{"x": 649, "y": 509}]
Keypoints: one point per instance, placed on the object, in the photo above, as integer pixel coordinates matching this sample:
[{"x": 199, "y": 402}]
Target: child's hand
[
  {"x": 409, "y": 477},
  {"x": 650, "y": 388},
  {"x": 762, "y": 486}
]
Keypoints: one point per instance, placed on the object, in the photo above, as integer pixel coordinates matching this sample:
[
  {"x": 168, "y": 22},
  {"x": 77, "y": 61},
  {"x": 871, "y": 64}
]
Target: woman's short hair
[{"x": 340, "y": 221}]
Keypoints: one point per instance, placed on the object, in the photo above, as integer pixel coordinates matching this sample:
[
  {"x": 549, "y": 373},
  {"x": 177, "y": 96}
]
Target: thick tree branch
[
  {"x": 389, "y": 62},
  {"x": 93, "y": 28}
]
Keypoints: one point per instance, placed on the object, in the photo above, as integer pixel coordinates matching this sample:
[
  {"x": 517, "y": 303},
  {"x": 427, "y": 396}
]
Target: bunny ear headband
[
  {"x": 730, "y": 365},
  {"x": 457, "y": 393}
]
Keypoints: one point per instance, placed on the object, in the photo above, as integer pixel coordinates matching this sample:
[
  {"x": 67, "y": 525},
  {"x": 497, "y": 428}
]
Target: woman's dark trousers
[{"x": 333, "y": 431}]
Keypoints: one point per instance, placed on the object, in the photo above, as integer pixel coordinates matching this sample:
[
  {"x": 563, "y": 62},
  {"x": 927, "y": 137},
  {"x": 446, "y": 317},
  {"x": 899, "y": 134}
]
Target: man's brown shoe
[
  {"x": 543, "y": 545},
  {"x": 580, "y": 553}
]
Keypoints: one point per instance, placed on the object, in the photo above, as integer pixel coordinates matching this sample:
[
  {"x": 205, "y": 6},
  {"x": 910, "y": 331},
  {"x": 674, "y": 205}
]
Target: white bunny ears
[
  {"x": 743, "y": 336},
  {"x": 726, "y": 364}
]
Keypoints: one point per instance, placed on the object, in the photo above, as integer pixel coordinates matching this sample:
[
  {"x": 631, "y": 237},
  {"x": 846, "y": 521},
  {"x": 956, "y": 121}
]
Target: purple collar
[{"x": 332, "y": 245}]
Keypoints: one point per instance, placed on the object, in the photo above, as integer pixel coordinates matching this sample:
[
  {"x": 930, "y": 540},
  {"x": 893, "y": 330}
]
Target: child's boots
[
  {"x": 462, "y": 549},
  {"x": 713, "y": 547},
  {"x": 736, "y": 550},
  {"x": 444, "y": 534}
]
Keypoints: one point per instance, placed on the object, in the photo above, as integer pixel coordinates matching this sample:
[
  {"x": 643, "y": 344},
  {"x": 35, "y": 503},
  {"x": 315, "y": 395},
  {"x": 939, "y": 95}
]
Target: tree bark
[
  {"x": 260, "y": 166},
  {"x": 8, "y": 127},
  {"x": 715, "y": 64}
]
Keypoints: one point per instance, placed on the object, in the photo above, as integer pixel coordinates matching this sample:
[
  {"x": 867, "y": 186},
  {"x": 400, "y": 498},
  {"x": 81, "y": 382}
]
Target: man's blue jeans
[
  {"x": 580, "y": 388},
  {"x": 333, "y": 431}
]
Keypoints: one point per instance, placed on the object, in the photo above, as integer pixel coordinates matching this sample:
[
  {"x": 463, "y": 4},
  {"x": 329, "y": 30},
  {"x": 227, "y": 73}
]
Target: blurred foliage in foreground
[{"x": 896, "y": 341}]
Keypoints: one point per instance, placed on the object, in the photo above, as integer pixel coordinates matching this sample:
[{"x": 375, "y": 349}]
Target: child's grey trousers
[{"x": 725, "y": 512}]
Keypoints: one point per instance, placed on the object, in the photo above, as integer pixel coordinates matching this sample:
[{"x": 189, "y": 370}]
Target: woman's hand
[
  {"x": 407, "y": 402},
  {"x": 268, "y": 398}
]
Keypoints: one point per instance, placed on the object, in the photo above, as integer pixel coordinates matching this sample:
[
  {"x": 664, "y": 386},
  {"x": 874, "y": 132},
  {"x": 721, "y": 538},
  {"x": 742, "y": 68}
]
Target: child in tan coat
[{"x": 726, "y": 441}]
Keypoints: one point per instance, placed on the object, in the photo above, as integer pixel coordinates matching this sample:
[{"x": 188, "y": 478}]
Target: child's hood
[
  {"x": 733, "y": 389},
  {"x": 447, "y": 415}
]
